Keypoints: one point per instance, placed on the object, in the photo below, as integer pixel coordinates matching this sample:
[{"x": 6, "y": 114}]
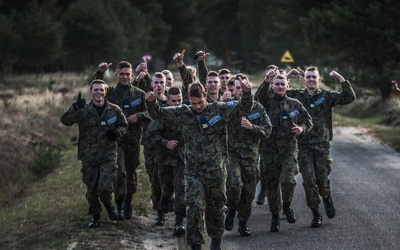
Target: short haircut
[
  {"x": 98, "y": 81},
  {"x": 124, "y": 64},
  {"x": 174, "y": 91},
  {"x": 231, "y": 81},
  {"x": 196, "y": 89},
  {"x": 166, "y": 72},
  {"x": 159, "y": 75},
  {"x": 278, "y": 76},
  {"x": 312, "y": 68},
  {"x": 272, "y": 66},
  {"x": 224, "y": 71},
  {"x": 243, "y": 76},
  {"x": 212, "y": 73}
]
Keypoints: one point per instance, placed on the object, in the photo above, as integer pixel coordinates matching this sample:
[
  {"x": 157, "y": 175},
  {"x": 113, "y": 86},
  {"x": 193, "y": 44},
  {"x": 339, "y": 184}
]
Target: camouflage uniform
[
  {"x": 188, "y": 78},
  {"x": 280, "y": 149},
  {"x": 170, "y": 162},
  {"x": 314, "y": 157},
  {"x": 149, "y": 151},
  {"x": 205, "y": 175},
  {"x": 98, "y": 155},
  {"x": 260, "y": 97},
  {"x": 131, "y": 100},
  {"x": 242, "y": 167}
]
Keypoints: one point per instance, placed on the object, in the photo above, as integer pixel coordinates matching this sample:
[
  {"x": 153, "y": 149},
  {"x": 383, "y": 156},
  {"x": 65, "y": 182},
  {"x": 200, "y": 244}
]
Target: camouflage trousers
[
  {"x": 315, "y": 166},
  {"x": 128, "y": 162},
  {"x": 152, "y": 172},
  {"x": 280, "y": 170},
  {"x": 99, "y": 180},
  {"x": 206, "y": 199},
  {"x": 172, "y": 181},
  {"x": 241, "y": 182}
]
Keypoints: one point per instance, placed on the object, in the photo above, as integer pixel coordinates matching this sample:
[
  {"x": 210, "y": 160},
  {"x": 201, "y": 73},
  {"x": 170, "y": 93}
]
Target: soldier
[
  {"x": 169, "y": 155},
  {"x": 244, "y": 136},
  {"x": 149, "y": 150},
  {"x": 224, "y": 75},
  {"x": 270, "y": 73},
  {"x": 203, "y": 127},
  {"x": 314, "y": 156},
  {"x": 100, "y": 124},
  {"x": 131, "y": 100},
  {"x": 289, "y": 119},
  {"x": 212, "y": 86},
  {"x": 169, "y": 77}
]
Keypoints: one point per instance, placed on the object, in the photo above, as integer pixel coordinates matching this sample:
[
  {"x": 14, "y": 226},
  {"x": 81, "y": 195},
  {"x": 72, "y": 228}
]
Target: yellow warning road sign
[{"x": 287, "y": 57}]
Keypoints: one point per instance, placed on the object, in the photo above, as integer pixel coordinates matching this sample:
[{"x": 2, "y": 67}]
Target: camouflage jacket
[
  {"x": 319, "y": 105},
  {"x": 93, "y": 146},
  {"x": 283, "y": 112},
  {"x": 131, "y": 100},
  {"x": 245, "y": 142},
  {"x": 159, "y": 133},
  {"x": 203, "y": 134},
  {"x": 187, "y": 78}
]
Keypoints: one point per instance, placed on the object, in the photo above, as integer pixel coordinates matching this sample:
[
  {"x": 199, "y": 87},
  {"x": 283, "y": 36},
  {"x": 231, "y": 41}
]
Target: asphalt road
[{"x": 365, "y": 180}]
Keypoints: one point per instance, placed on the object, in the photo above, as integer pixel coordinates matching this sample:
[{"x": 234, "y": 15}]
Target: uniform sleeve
[
  {"x": 172, "y": 114},
  {"x": 122, "y": 124},
  {"x": 203, "y": 71},
  {"x": 305, "y": 119},
  {"x": 264, "y": 127},
  {"x": 346, "y": 96},
  {"x": 98, "y": 75},
  {"x": 154, "y": 133},
  {"x": 263, "y": 93},
  {"x": 242, "y": 108},
  {"x": 144, "y": 84},
  {"x": 69, "y": 117}
]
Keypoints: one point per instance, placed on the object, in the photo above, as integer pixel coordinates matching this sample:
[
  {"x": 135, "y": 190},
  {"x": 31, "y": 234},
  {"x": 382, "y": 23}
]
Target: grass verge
[{"x": 388, "y": 134}]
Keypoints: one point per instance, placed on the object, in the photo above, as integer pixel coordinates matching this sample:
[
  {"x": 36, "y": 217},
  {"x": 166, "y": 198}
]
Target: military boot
[
  {"x": 329, "y": 208},
  {"x": 261, "y": 196},
  {"x": 317, "y": 218},
  {"x": 164, "y": 204},
  {"x": 195, "y": 247},
  {"x": 179, "y": 229},
  {"x": 275, "y": 224},
  {"x": 215, "y": 244},
  {"x": 230, "y": 219},
  {"x": 95, "y": 221},
  {"x": 127, "y": 207},
  {"x": 243, "y": 229},
  {"x": 287, "y": 210},
  {"x": 160, "y": 220},
  {"x": 111, "y": 211},
  {"x": 119, "y": 202}
]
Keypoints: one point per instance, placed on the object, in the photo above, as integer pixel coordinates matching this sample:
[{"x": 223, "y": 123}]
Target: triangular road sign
[{"x": 287, "y": 57}]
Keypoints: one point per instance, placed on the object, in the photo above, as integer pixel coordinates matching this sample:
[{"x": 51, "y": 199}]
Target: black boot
[
  {"x": 164, "y": 204},
  {"x": 261, "y": 196},
  {"x": 275, "y": 224},
  {"x": 179, "y": 229},
  {"x": 127, "y": 208},
  {"x": 195, "y": 247},
  {"x": 287, "y": 210},
  {"x": 230, "y": 219},
  {"x": 119, "y": 202},
  {"x": 243, "y": 229},
  {"x": 215, "y": 244},
  {"x": 95, "y": 221},
  {"x": 317, "y": 220},
  {"x": 160, "y": 218},
  {"x": 111, "y": 211},
  {"x": 329, "y": 208}
]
